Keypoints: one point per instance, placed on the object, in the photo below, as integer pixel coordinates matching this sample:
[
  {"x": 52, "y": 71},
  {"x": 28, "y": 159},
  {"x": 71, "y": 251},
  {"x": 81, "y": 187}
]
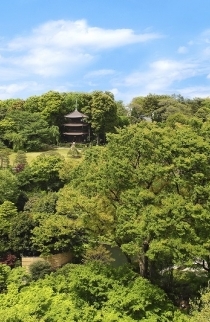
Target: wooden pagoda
[{"x": 76, "y": 128}]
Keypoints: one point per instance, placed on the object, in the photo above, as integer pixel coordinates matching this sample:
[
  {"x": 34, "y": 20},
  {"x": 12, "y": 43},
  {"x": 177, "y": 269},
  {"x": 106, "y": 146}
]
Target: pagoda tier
[
  {"x": 75, "y": 133},
  {"x": 76, "y": 124}
]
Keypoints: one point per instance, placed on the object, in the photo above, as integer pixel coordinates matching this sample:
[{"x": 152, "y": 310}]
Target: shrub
[{"x": 39, "y": 269}]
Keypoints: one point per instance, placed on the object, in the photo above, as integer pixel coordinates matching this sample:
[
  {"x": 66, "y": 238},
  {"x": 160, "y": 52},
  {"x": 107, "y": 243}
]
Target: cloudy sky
[{"x": 129, "y": 47}]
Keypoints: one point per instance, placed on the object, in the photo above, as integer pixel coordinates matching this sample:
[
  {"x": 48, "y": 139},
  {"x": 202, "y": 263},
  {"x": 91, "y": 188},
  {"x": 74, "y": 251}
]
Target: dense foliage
[
  {"x": 37, "y": 123},
  {"x": 141, "y": 199},
  {"x": 92, "y": 292}
]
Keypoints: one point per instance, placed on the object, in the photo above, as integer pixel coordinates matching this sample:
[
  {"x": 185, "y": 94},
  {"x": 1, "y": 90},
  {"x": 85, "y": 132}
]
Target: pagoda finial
[{"x": 76, "y": 105}]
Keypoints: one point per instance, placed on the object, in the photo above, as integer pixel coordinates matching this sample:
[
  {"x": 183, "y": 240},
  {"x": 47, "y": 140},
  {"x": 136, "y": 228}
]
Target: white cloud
[
  {"x": 195, "y": 91},
  {"x": 168, "y": 76},
  {"x": 205, "y": 36},
  {"x": 182, "y": 50},
  {"x": 161, "y": 74},
  {"x": 63, "y": 47},
  {"x": 15, "y": 89},
  {"x": 70, "y": 48},
  {"x": 78, "y": 34}
]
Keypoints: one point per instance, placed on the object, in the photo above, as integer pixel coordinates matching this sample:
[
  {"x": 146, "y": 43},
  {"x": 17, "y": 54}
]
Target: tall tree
[
  {"x": 51, "y": 105},
  {"x": 8, "y": 186},
  {"x": 102, "y": 114},
  {"x": 149, "y": 193}
]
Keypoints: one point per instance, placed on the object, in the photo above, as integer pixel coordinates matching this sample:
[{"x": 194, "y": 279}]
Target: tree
[
  {"x": 8, "y": 186},
  {"x": 158, "y": 107},
  {"x": 99, "y": 254},
  {"x": 51, "y": 105},
  {"x": 89, "y": 293},
  {"x": 20, "y": 234},
  {"x": 20, "y": 161},
  {"x": 31, "y": 104},
  {"x": 4, "y": 157},
  {"x": 41, "y": 202},
  {"x": 23, "y": 130},
  {"x": 149, "y": 193},
  {"x": 102, "y": 114},
  {"x": 74, "y": 152},
  {"x": 201, "y": 309},
  {"x": 8, "y": 213},
  {"x": 4, "y": 273},
  {"x": 55, "y": 234},
  {"x": 15, "y": 230},
  {"x": 122, "y": 114},
  {"x": 45, "y": 171}
]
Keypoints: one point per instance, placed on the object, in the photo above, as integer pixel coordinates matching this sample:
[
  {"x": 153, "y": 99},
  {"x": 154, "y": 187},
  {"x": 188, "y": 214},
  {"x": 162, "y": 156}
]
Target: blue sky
[{"x": 129, "y": 47}]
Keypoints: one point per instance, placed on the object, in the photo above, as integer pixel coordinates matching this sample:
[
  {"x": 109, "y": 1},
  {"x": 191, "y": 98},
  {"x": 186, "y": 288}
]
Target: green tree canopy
[{"x": 149, "y": 193}]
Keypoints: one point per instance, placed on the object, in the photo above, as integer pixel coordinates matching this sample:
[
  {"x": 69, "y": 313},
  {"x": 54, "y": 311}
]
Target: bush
[{"x": 39, "y": 269}]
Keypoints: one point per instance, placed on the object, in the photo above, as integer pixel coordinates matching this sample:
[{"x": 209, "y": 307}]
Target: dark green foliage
[
  {"x": 39, "y": 269},
  {"x": 41, "y": 202},
  {"x": 20, "y": 234},
  {"x": 56, "y": 234},
  {"x": 4, "y": 273},
  {"x": 102, "y": 114},
  {"x": 15, "y": 230},
  {"x": 8, "y": 186}
]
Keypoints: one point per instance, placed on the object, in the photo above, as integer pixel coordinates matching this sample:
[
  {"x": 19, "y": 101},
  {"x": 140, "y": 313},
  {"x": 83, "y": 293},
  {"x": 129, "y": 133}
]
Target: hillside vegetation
[{"x": 145, "y": 192}]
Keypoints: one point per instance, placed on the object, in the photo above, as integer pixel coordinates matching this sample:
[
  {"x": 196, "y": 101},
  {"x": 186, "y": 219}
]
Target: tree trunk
[{"x": 144, "y": 261}]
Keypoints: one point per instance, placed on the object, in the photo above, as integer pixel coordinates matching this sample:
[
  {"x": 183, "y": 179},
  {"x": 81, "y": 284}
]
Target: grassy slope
[{"x": 32, "y": 155}]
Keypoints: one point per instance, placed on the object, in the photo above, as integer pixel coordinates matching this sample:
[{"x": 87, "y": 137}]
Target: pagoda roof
[{"x": 76, "y": 114}]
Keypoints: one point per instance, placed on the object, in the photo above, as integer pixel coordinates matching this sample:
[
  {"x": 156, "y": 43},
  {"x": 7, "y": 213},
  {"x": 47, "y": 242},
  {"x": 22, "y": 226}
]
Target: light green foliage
[
  {"x": 17, "y": 278},
  {"x": 45, "y": 170},
  {"x": 31, "y": 104},
  {"x": 153, "y": 191},
  {"x": 6, "y": 125},
  {"x": 68, "y": 198},
  {"x": 201, "y": 309},
  {"x": 87, "y": 293},
  {"x": 65, "y": 173},
  {"x": 51, "y": 105},
  {"x": 56, "y": 233},
  {"x": 8, "y": 186},
  {"x": 7, "y": 210}
]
